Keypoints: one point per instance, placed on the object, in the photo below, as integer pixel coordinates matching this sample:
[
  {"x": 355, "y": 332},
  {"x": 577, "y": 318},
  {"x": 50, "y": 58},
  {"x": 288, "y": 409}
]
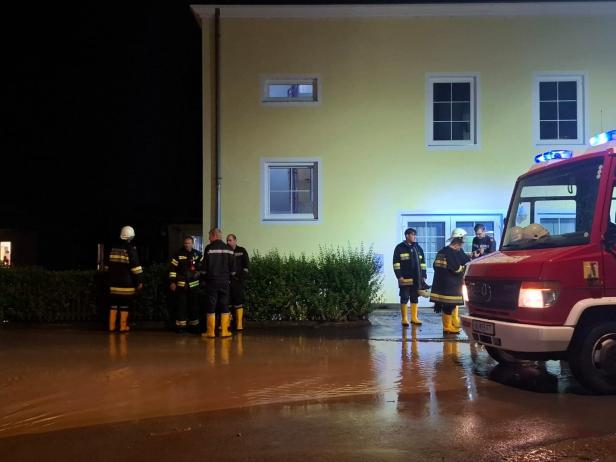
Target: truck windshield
[{"x": 554, "y": 207}]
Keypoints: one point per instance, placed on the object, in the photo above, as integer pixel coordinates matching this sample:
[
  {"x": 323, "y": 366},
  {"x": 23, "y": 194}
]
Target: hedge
[{"x": 334, "y": 285}]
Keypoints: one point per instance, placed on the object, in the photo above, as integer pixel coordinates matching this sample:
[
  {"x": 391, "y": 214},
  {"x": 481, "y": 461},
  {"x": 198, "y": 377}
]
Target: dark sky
[{"x": 104, "y": 124}]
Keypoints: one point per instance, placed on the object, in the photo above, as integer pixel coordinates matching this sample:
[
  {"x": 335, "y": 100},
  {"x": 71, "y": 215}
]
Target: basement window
[{"x": 290, "y": 90}]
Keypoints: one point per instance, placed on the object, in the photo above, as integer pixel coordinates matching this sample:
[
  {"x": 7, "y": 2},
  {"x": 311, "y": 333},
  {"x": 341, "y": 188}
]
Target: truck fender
[{"x": 581, "y": 306}]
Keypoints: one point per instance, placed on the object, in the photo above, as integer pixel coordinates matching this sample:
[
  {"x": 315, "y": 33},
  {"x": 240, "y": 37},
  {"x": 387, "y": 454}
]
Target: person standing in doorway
[
  {"x": 238, "y": 281},
  {"x": 125, "y": 278},
  {"x": 449, "y": 266},
  {"x": 483, "y": 243},
  {"x": 410, "y": 269}
]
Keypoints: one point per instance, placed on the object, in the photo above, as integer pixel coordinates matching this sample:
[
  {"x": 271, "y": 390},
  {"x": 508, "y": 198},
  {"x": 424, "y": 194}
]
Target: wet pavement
[{"x": 377, "y": 392}]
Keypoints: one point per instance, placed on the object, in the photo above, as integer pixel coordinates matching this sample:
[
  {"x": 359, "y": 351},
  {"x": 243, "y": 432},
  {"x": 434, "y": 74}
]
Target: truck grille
[{"x": 493, "y": 294}]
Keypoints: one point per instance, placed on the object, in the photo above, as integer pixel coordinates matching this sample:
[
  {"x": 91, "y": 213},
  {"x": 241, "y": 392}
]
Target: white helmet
[
  {"x": 127, "y": 233},
  {"x": 535, "y": 231},
  {"x": 515, "y": 233},
  {"x": 457, "y": 232}
]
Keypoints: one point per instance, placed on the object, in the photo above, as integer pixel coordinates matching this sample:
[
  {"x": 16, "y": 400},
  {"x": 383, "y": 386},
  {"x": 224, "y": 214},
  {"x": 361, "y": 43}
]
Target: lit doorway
[{"x": 434, "y": 229}]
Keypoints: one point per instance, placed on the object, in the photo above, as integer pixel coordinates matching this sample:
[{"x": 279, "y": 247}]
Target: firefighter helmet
[
  {"x": 515, "y": 233},
  {"x": 535, "y": 231},
  {"x": 457, "y": 233},
  {"x": 127, "y": 233}
]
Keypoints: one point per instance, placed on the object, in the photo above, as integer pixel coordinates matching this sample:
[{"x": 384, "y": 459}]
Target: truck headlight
[
  {"x": 538, "y": 294},
  {"x": 464, "y": 293}
]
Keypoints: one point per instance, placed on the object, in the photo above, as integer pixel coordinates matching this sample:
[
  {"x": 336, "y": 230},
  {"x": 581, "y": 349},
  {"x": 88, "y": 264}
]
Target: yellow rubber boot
[
  {"x": 403, "y": 313},
  {"x": 124, "y": 321},
  {"x": 455, "y": 320},
  {"x": 225, "y": 319},
  {"x": 211, "y": 326},
  {"x": 414, "y": 311},
  {"x": 239, "y": 319},
  {"x": 448, "y": 327},
  {"x": 113, "y": 315}
]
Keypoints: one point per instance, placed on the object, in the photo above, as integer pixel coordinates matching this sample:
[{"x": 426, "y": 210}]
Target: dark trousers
[
  {"x": 216, "y": 297},
  {"x": 187, "y": 304},
  {"x": 408, "y": 293}
]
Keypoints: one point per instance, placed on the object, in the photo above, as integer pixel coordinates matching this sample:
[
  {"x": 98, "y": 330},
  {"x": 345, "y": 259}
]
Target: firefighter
[
  {"x": 184, "y": 282},
  {"x": 449, "y": 266},
  {"x": 217, "y": 269},
  {"x": 238, "y": 281},
  {"x": 125, "y": 278},
  {"x": 483, "y": 243},
  {"x": 410, "y": 269}
]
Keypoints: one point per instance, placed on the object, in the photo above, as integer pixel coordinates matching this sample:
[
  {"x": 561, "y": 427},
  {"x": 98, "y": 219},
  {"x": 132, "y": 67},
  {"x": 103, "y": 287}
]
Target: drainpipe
[{"x": 217, "y": 117}]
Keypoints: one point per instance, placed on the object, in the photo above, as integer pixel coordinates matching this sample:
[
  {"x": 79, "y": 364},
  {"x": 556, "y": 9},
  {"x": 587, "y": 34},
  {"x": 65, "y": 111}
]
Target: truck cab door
[{"x": 609, "y": 243}]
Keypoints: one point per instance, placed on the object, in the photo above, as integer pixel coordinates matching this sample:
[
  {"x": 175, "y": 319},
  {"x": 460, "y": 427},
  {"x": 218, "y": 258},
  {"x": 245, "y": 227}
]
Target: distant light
[
  {"x": 552, "y": 155},
  {"x": 603, "y": 138}
]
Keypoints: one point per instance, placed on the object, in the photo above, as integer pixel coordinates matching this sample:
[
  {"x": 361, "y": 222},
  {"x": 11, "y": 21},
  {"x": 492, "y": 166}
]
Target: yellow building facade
[{"x": 391, "y": 116}]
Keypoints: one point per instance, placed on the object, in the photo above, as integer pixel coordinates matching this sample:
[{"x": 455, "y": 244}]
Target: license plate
[{"x": 483, "y": 327}]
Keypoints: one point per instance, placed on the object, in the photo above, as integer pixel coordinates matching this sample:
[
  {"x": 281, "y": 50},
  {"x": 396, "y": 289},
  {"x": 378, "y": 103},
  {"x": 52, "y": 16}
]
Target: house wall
[{"x": 369, "y": 129}]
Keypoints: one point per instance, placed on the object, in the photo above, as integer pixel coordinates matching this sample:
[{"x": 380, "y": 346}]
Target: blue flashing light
[
  {"x": 603, "y": 138},
  {"x": 552, "y": 155}
]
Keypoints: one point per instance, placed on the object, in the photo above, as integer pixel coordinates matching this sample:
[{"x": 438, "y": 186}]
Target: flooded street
[{"x": 335, "y": 393}]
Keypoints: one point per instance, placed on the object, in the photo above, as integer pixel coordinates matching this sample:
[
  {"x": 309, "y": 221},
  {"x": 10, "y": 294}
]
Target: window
[
  {"x": 452, "y": 110},
  {"x": 290, "y": 90},
  {"x": 559, "y": 109},
  {"x": 433, "y": 230},
  {"x": 291, "y": 190},
  {"x": 5, "y": 253}
]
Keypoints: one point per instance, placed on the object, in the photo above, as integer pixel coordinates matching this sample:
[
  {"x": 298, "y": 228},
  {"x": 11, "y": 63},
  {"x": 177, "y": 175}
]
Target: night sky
[{"x": 104, "y": 125}]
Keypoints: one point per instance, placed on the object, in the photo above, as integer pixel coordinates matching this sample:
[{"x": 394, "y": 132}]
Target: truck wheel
[
  {"x": 593, "y": 358},
  {"x": 502, "y": 356}
]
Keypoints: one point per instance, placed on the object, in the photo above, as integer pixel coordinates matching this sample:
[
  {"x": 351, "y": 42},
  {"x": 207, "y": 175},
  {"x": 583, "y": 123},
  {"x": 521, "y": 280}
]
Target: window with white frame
[
  {"x": 291, "y": 189},
  {"x": 290, "y": 90},
  {"x": 559, "y": 109},
  {"x": 452, "y": 110}
]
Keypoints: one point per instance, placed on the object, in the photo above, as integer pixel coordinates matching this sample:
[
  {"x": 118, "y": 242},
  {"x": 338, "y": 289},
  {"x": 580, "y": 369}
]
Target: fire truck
[{"x": 550, "y": 290}]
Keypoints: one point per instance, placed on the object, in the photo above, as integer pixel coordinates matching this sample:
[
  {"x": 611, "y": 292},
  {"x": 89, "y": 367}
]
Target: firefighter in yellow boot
[
  {"x": 124, "y": 278},
  {"x": 449, "y": 266},
  {"x": 410, "y": 269},
  {"x": 238, "y": 281},
  {"x": 184, "y": 282},
  {"x": 217, "y": 268}
]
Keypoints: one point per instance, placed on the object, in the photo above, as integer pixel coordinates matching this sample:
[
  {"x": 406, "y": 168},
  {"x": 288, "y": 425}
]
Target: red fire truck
[{"x": 550, "y": 290}]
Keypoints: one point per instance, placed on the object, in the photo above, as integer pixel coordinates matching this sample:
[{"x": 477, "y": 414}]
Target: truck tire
[
  {"x": 592, "y": 358},
  {"x": 502, "y": 356}
]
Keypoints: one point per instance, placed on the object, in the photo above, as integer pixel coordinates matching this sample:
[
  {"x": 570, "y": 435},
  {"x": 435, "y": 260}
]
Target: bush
[{"x": 334, "y": 285}]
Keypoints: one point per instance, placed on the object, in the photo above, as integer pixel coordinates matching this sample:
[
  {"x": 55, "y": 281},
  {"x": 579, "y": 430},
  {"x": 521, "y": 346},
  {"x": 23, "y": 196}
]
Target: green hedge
[{"x": 334, "y": 285}]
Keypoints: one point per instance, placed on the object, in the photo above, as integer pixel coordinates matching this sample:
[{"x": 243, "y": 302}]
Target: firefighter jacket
[
  {"x": 184, "y": 268},
  {"x": 449, "y": 267},
  {"x": 124, "y": 271},
  {"x": 242, "y": 262},
  {"x": 218, "y": 262},
  {"x": 487, "y": 243},
  {"x": 410, "y": 264}
]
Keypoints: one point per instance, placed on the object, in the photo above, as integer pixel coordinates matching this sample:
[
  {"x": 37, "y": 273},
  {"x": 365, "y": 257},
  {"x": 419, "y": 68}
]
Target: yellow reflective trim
[
  {"x": 460, "y": 269},
  {"x": 182, "y": 257},
  {"x": 193, "y": 284},
  {"x": 174, "y": 262},
  {"x": 446, "y": 298},
  {"x": 122, "y": 290},
  {"x": 423, "y": 266},
  {"x": 118, "y": 259},
  {"x": 173, "y": 274},
  {"x": 396, "y": 265},
  {"x": 181, "y": 284},
  {"x": 137, "y": 270}
]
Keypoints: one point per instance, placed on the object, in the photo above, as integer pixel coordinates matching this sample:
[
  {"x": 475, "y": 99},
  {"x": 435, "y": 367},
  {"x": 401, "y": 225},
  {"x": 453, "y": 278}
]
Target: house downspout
[{"x": 217, "y": 116}]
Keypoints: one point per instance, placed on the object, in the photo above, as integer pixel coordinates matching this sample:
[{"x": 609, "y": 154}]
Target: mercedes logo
[{"x": 486, "y": 292}]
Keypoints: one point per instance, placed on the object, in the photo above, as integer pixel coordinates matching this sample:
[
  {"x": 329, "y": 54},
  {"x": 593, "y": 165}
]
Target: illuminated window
[
  {"x": 290, "y": 190},
  {"x": 290, "y": 90},
  {"x": 452, "y": 110},
  {"x": 5, "y": 253}
]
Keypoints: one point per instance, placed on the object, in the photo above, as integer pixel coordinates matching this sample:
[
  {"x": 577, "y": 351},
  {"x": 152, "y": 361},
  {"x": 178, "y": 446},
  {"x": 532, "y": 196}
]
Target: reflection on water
[{"x": 53, "y": 379}]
